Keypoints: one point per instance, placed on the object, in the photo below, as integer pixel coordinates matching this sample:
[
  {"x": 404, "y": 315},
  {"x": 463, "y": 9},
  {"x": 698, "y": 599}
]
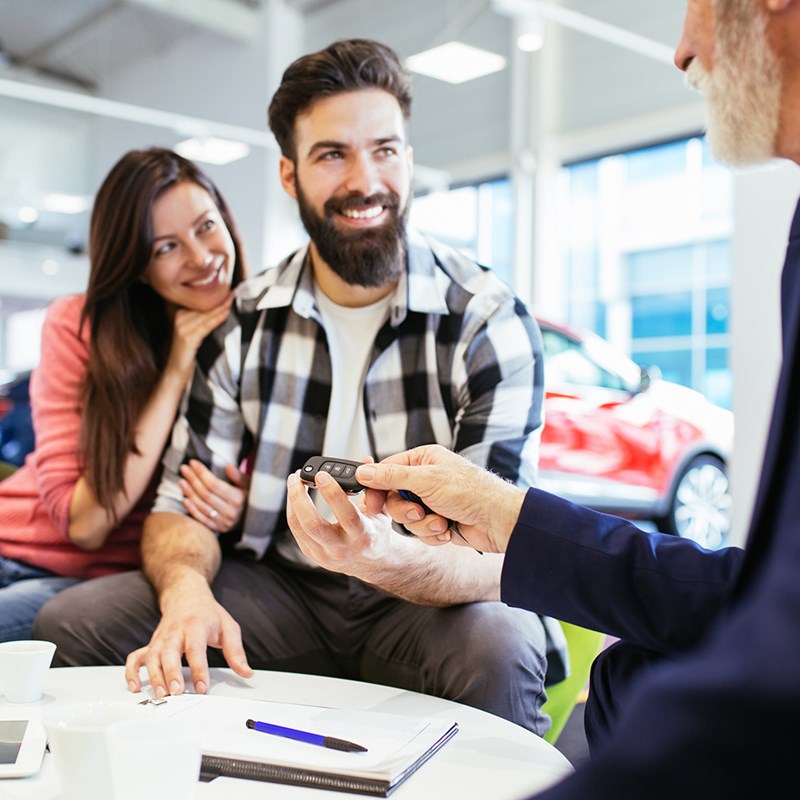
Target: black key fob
[{"x": 340, "y": 469}]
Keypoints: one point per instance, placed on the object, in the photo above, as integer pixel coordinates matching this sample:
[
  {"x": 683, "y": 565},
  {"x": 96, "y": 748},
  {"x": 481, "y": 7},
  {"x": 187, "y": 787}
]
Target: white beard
[{"x": 742, "y": 91}]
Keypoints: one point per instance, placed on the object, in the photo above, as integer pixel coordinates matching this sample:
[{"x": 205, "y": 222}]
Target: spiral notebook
[{"x": 396, "y": 745}]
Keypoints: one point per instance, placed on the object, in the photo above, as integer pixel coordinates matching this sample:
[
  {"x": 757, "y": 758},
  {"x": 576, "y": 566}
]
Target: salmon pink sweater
[{"x": 35, "y": 500}]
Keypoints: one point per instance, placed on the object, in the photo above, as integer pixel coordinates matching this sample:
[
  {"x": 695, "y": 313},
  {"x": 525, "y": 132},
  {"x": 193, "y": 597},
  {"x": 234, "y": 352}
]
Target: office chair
[{"x": 582, "y": 645}]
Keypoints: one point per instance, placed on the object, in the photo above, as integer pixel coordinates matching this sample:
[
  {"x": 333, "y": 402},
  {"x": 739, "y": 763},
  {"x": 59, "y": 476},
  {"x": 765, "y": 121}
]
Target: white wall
[{"x": 764, "y": 203}]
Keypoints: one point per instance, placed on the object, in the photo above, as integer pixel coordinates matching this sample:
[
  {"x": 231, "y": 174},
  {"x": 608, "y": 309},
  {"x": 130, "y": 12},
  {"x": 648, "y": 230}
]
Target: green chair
[
  {"x": 583, "y": 645},
  {"x": 6, "y": 469}
]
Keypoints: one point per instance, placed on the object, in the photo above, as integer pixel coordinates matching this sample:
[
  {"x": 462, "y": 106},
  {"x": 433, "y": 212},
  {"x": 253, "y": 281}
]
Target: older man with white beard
[{"x": 700, "y": 698}]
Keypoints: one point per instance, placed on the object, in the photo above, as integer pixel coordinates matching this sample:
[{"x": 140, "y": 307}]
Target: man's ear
[
  {"x": 778, "y": 5},
  {"x": 288, "y": 175}
]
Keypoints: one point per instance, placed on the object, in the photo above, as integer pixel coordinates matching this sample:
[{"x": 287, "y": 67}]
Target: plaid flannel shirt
[{"x": 459, "y": 363}]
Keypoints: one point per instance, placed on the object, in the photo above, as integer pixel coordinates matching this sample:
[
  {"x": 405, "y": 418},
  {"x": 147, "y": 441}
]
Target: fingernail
[
  {"x": 444, "y": 537},
  {"x": 132, "y": 687},
  {"x": 174, "y": 687},
  {"x": 292, "y": 480},
  {"x": 437, "y": 526},
  {"x": 415, "y": 515},
  {"x": 160, "y": 691},
  {"x": 200, "y": 687},
  {"x": 366, "y": 471},
  {"x": 323, "y": 479}
]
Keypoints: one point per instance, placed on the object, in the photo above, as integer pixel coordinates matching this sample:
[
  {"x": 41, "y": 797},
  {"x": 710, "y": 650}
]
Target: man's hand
[
  {"x": 355, "y": 543},
  {"x": 484, "y": 506},
  {"x": 362, "y": 543},
  {"x": 191, "y": 621},
  {"x": 180, "y": 558}
]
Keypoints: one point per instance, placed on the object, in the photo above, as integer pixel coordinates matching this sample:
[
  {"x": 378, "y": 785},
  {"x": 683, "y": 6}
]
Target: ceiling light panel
[
  {"x": 212, "y": 150},
  {"x": 455, "y": 62}
]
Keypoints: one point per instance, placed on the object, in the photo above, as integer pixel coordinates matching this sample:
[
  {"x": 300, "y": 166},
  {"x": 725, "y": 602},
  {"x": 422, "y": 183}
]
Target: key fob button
[{"x": 340, "y": 469}]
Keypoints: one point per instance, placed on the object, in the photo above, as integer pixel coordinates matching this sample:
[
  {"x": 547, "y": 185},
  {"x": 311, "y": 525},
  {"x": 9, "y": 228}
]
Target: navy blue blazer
[{"x": 720, "y": 716}]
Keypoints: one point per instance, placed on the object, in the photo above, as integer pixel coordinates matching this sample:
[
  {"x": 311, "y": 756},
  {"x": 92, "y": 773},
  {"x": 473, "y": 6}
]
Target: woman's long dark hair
[{"x": 130, "y": 330}]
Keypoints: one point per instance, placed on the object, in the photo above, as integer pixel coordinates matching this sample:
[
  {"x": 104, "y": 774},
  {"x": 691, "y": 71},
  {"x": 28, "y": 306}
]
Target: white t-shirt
[{"x": 351, "y": 336}]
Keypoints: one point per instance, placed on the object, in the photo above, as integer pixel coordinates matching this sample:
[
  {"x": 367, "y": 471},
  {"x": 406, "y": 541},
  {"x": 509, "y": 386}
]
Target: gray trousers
[{"x": 485, "y": 655}]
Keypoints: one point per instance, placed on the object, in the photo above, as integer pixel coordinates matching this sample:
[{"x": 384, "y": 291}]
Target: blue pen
[{"x": 303, "y": 736}]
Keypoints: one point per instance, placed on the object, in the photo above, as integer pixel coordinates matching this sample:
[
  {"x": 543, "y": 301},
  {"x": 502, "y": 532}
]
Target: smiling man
[{"x": 369, "y": 340}]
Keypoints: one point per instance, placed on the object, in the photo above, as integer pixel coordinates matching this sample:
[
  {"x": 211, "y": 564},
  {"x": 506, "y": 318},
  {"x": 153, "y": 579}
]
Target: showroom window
[
  {"x": 477, "y": 218},
  {"x": 645, "y": 238},
  {"x": 645, "y": 243}
]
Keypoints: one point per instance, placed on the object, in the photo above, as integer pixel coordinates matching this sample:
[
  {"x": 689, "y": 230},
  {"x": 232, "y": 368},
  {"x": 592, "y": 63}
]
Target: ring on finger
[{"x": 213, "y": 513}]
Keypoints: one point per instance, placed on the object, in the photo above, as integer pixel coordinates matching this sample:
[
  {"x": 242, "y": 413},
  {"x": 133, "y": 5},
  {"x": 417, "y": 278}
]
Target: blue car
[{"x": 16, "y": 428}]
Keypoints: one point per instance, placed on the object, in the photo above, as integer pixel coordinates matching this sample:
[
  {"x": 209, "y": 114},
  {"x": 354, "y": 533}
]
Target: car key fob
[{"x": 340, "y": 469}]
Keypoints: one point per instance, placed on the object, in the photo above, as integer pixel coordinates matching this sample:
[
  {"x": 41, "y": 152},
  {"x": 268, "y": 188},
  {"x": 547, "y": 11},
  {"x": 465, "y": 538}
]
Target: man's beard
[
  {"x": 743, "y": 89},
  {"x": 371, "y": 257}
]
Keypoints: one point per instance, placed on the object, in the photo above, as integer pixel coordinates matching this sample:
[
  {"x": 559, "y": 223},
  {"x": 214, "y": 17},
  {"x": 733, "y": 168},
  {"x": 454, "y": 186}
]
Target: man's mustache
[{"x": 697, "y": 76}]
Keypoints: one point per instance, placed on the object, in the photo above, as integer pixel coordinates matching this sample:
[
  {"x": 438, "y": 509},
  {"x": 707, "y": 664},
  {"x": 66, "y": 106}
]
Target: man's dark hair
[{"x": 347, "y": 65}]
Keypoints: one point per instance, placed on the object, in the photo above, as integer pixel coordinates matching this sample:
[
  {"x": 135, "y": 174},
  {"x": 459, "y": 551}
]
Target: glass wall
[
  {"x": 647, "y": 261},
  {"x": 477, "y": 219},
  {"x": 645, "y": 253}
]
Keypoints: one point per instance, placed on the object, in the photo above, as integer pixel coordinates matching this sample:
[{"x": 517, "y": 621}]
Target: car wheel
[{"x": 700, "y": 509}]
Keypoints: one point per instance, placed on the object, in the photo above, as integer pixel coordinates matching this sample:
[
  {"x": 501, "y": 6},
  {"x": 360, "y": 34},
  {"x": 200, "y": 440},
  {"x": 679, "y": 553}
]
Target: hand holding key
[{"x": 343, "y": 472}]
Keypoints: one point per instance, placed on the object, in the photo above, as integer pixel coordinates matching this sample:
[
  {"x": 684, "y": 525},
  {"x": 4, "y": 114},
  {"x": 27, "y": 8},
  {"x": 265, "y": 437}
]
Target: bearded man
[{"x": 369, "y": 340}]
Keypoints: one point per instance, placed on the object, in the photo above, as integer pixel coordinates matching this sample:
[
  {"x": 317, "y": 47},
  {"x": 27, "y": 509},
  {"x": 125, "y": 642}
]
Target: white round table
[{"x": 488, "y": 758}]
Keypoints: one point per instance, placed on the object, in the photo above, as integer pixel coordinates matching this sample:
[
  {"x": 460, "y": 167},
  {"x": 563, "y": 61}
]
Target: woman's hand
[
  {"x": 189, "y": 328},
  {"x": 216, "y": 503}
]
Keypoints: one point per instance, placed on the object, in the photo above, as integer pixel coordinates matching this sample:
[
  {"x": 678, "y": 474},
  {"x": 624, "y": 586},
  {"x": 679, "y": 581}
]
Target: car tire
[{"x": 700, "y": 505}]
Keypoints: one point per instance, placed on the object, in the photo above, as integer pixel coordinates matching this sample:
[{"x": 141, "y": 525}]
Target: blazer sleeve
[
  {"x": 602, "y": 572},
  {"x": 721, "y": 720}
]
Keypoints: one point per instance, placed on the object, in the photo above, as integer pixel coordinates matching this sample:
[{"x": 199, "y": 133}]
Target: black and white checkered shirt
[{"x": 459, "y": 363}]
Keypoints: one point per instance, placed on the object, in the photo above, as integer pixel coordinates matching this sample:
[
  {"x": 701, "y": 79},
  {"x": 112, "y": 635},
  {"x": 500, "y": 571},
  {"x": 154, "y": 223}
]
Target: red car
[{"x": 617, "y": 438}]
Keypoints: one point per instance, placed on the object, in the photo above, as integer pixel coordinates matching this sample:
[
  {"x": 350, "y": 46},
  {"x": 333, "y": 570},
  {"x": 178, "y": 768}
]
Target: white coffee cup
[
  {"x": 23, "y": 668},
  {"x": 154, "y": 758},
  {"x": 77, "y": 734}
]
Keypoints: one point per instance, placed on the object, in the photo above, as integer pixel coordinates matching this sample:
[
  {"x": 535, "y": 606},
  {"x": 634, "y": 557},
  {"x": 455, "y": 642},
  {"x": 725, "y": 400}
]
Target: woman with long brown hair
[{"x": 165, "y": 255}]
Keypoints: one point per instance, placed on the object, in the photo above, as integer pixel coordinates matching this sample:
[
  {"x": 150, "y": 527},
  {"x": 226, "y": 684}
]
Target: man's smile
[{"x": 365, "y": 213}]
